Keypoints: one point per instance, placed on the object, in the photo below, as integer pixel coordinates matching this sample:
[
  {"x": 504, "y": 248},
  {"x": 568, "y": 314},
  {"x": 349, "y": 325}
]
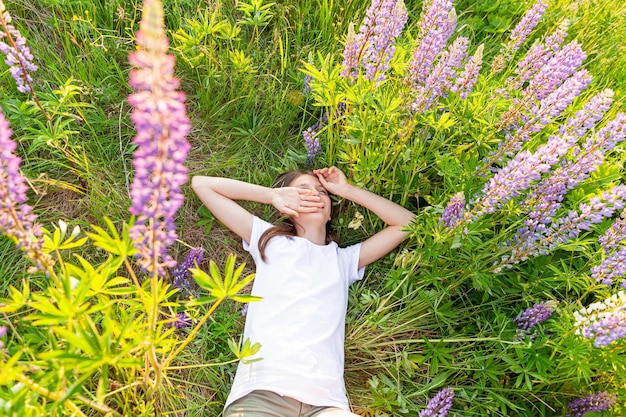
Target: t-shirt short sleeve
[
  {"x": 258, "y": 227},
  {"x": 349, "y": 259}
]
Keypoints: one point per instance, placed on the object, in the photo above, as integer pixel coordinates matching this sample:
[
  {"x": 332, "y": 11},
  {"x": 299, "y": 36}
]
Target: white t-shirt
[{"x": 300, "y": 323}]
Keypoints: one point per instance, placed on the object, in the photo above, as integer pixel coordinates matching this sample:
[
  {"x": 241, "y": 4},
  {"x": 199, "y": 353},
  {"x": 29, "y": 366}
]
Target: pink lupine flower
[{"x": 161, "y": 122}]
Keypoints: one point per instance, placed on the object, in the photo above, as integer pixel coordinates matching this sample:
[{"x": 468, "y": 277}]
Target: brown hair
[{"x": 286, "y": 227}]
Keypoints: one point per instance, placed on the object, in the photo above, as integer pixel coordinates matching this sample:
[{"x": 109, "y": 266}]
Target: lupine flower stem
[{"x": 20, "y": 54}]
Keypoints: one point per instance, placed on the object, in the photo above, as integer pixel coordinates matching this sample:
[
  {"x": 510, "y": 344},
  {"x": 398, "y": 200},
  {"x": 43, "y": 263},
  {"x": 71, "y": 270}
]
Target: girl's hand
[
  {"x": 292, "y": 200},
  {"x": 332, "y": 179}
]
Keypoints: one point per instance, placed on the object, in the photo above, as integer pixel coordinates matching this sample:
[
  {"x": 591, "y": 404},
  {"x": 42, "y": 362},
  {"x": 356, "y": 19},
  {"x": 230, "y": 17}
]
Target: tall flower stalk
[
  {"x": 16, "y": 217},
  {"x": 374, "y": 46},
  {"x": 161, "y": 123}
]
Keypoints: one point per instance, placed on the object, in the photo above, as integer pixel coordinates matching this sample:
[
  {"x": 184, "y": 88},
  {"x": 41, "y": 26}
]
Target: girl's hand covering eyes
[
  {"x": 332, "y": 179},
  {"x": 292, "y": 200}
]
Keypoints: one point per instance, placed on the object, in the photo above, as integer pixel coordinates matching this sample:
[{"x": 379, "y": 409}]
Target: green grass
[{"x": 411, "y": 329}]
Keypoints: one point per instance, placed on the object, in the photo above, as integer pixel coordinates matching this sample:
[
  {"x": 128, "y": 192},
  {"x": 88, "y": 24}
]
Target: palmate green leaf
[
  {"x": 245, "y": 350},
  {"x": 17, "y": 300},
  {"x": 226, "y": 286},
  {"x": 111, "y": 241}
]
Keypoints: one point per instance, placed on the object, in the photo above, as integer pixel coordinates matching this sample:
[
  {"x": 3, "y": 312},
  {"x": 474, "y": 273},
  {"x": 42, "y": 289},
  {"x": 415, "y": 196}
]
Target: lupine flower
[
  {"x": 439, "y": 405},
  {"x": 183, "y": 320},
  {"x": 555, "y": 71},
  {"x": 546, "y": 110},
  {"x": 312, "y": 142},
  {"x": 518, "y": 175},
  {"x": 545, "y": 199},
  {"x": 440, "y": 79},
  {"x": 454, "y": 212},
  {"x": 181, "y": 276},
  {"x": 604, "y": 322},
  {"x": 437, "y": 24},
  {"x": 611, "y": 267},
  {"x": 599, "y": 402},
  {"x": 3, "y": 332},
  {"x": 161, "y": 123},
  {"x": 545, "y": 238},
  {"x": 614, "y": 264},
  {"x": 464, "y": 83},
  {"x": 526, "y": 26},
  {"x": 306, "y": 87},
  {"x": 373, "y": 47},
  {"x": 538, "y": 56},
  {"x": 16, "y": 217},
  {"x": 535, "y": 315},
  {"x": 615, "y": 234},
  {"x": 17, "y": 54}
]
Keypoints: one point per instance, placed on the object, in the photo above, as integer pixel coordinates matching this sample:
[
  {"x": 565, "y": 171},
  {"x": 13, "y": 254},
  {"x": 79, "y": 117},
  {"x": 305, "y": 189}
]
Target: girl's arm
[
  {"x": 218, "y": 195},
  {"x": 395, "y": 216}
]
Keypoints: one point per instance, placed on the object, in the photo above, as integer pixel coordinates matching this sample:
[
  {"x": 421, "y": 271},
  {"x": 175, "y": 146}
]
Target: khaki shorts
[{"x": 270, "y": 404}]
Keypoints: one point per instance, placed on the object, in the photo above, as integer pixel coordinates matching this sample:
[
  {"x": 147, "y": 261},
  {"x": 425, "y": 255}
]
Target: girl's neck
[{"x": 312, "y": 234}]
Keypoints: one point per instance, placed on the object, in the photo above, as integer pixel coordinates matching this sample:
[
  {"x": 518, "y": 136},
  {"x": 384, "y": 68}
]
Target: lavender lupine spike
[
  {"x": 161, "y": 123},
  {"x": 517, "y": 176},
  {"x": 526, "y": 25},
  {"x": 16, "y": 218},
  {"x": 435, "y": 28},
  {"x": 546, "y": 110},
  {"x": 558, "y": 68},
  {"x": 3, "y": 332},
  {"x": 614, "y": 264},
  {"x": 545, "y": 199},
  {"x": 464, "y": 83},
  {"x": 17, "y": 54},
  {"x": 599, "y": 402},
  {"x": 373, "y": 47},
  {"x": 439, "y": 405},
  {"x": 611, "y": 267},
  {"x": 546, "y": 238},
  {"x": 454, "y": 212},
  {"x": 440, "y": 79},
  {"x": 603, "y": 322},
  {"x": 312, "y": 143},
  {"x": 615, "y": 234},
  {"x": 535, "y": 315},
  {"x": 181, "y": 276},
  {"x": 537, "y": 56}
]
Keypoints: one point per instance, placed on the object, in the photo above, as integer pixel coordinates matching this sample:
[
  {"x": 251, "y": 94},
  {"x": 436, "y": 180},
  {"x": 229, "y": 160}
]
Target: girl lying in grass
[{"x": 303, "y": 277}]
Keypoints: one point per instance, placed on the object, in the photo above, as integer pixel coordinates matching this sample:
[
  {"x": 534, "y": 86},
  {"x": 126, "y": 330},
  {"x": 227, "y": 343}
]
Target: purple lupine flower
[
  {"x": 3, "y": 332},
  {"x": 16, "y": 217},
  {"x": 181, "y": 321},
  {"x": 312, "y": 143},
  {"x": 181, "y": 276},
  {"x": 373, "y": 47},
  {"x": 545, "y": 199},
  {"x": 439, "y": 405},
  {"x": 439, "y": 80},
  {"x": 550, "y": 107},
  {"x": 537, "y": 56},
  {"x": 604, "y": 322},
  {"x": 524, "y": 169},
  {"x": 464, "y": 83},
  {"x": 306, "y": 87},
  {"x": 545, "y": 238},
  {"x": 535, "y": 315},
  {"x": 161, "y": 123},
  {"x": 555, "y": 71},
  {"x": 611, "y": 267},
  {"x": 454, "y": 212},
  {"x": 599, "y": 402},
  {"x": 526, "y": 26},
  {"x": 437, "y": 24},
  {"x": 614, "y": 264},
  {"x": 17, "y": 54},
  {"x": 615, "y": 234}
]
